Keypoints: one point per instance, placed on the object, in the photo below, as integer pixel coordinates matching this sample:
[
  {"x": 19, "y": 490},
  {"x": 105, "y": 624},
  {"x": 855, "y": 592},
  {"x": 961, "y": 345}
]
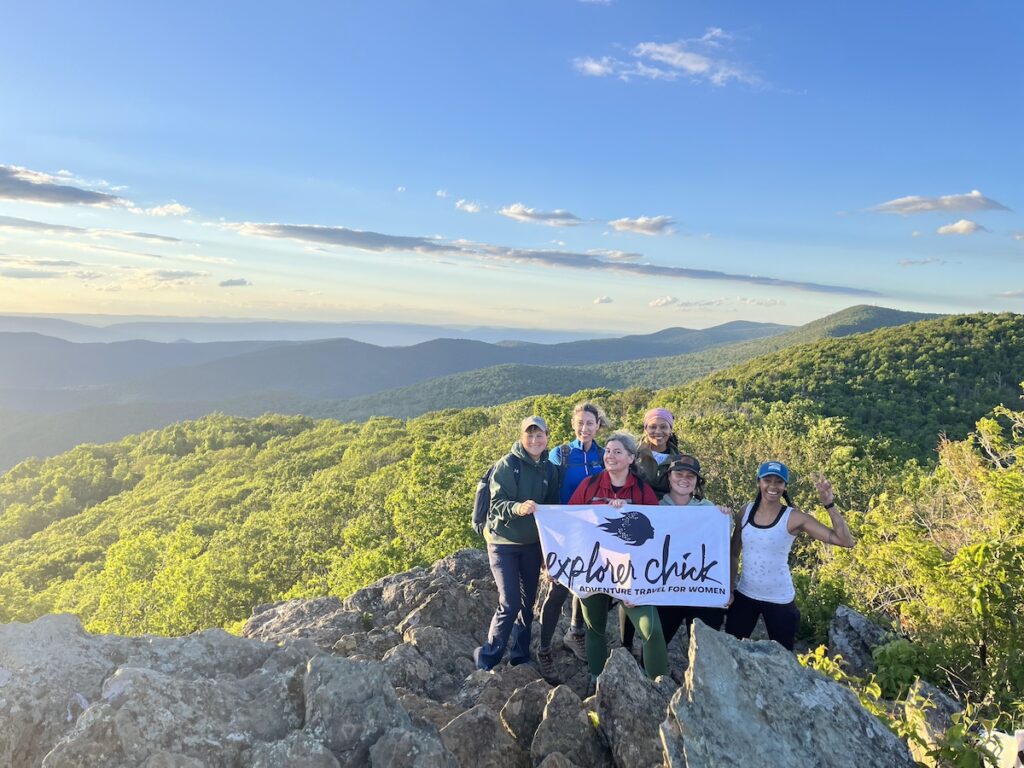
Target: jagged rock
[
  {"x": 937, "y": 718},
  {"x": 298, "y": 750},
  {"x": 425, "y": 711},
  {"x": 630, "y": 707},
  {"x": 557, "y": 760},
  {"x": 323, "y": 620},
  {"x": 403, "y": 748},
  {"x": 853, "y": 636},
  {"x": 367, "y": 645},
  {"x": 406, "y": 668},
  {"x": 750, "y": 703},
  {"x": 492, "y": 689},
  {"x": 449, "y": 656},
  {"x": 567, "y": 728},
  {"x": 524, "y": 710},
  {"x": 34, "y": 712},
  {"x": 349, "y": 705},
  {"x": 479, "y": 740}
]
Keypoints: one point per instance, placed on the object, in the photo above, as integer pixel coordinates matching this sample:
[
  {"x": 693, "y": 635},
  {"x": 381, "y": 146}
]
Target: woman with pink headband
[{"x": 658, "y": 444}]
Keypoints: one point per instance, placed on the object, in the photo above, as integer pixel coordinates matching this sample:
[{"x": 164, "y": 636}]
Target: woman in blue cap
[{"x": 764, "y": 533}]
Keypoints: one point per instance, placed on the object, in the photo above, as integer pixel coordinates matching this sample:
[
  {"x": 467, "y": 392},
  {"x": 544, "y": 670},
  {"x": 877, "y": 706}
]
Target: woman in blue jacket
[{"x": 576, "y": 461}]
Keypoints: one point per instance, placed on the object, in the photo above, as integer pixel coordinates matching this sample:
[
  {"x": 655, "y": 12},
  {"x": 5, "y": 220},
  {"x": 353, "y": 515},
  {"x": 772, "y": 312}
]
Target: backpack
[{"x": 482, "y": 499}]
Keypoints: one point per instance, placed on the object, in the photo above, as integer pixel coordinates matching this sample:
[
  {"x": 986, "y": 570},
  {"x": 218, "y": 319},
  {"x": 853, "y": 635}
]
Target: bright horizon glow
[{"x": 601, "y": 167}]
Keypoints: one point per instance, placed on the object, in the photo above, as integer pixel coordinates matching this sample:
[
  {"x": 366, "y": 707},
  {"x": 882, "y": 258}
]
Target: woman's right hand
[{"x": 527, "y": 507}]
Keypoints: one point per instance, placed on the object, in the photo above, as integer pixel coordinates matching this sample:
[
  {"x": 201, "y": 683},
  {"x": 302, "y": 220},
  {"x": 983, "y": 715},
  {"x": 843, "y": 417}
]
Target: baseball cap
[
  {"x": 533, "y": 421},
  {"x": 773, "y": 468},
  {"x": 685, "y": 463}
]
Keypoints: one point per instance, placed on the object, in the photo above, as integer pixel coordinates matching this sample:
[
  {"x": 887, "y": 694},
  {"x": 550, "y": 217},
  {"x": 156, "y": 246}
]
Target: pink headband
[{"x": 658, "y": 413}]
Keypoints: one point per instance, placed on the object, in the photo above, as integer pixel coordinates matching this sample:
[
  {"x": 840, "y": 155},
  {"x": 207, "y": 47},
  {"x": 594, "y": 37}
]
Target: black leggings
[
  {"x": 551, "y": 610},
  {"x": 780, "y": 619}
]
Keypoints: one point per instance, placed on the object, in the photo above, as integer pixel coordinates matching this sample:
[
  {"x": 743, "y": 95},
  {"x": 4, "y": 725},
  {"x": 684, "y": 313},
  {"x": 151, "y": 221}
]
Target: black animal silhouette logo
[{"x": 633, "y": 528}]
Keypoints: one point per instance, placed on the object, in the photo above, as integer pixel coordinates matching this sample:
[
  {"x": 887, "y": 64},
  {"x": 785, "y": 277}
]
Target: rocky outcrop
[
  {"x": 750, "y": 703},
  {"x": 386, "y": 678},
  {"x": 854, "y": 636}
]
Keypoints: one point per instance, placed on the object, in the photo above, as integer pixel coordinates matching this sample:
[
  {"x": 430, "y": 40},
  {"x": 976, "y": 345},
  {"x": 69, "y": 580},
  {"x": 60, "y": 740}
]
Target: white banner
[{"x": 647, "y": 555}]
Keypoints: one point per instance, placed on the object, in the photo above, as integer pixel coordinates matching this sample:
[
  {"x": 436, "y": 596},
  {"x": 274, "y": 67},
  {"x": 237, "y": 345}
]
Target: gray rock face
[
  {"x": 524, "y": 710},
  {"x": 854, "y": 636},
  {"x": 750, "y": 703},
  {"x": 937, "y": 718},
  {"x": 477, "y": 738},
  {"x": 567, "y": 729},
  {"x": 386, "y": 678},
  {"x": 630, "y": 708}
]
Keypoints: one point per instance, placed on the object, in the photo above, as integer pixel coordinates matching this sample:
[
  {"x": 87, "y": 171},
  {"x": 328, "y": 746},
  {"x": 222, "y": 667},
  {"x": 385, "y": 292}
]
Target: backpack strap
[{"x": 563, "y": 455}]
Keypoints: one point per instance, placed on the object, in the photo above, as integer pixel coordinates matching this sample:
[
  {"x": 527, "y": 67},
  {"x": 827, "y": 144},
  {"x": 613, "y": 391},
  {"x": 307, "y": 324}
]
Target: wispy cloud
[
  {"x": 969, "y": 203},
  {"x": 920, "y": 262},
  {"x": 645, "y": 225},
  {"x": 1010, "y": 295},
  {"x": 962, "y": 227},
  {"x": 13, "y": 222},
  {"x": 663, "y": 301},
  {"x": 170, "y": 209},
  {"x": 615, "y": 255},
  {"x": 22, "y": 273},
  {"x": 442, "y": 193},
  {"x": 697, "y": 59},
  {"x": 364, "y": 240},
  {"x": 612, "y": 261},
  {"x": 603, "y": 300},
  {"x": 238, "y": 282},
  {"x": 556, "y": 218},
  {"x": 760, "y": 302},
  {"x": 1018, "y": 235},
  {"x": 25, "y": 185},
  {"x": 468, "y": 206}
]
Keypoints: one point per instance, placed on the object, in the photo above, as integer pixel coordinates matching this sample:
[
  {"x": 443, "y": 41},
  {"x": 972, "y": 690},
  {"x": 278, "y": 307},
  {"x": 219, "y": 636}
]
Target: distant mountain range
[
  {"x": 108, "y": 328},
  {"x": 502, "y": 383},
  {"x": 55, "y": 394}
]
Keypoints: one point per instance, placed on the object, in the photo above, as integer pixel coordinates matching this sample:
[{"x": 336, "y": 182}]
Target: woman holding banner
[
  {"x": 617, "y": 486},
  {"x": 686, "y": 489},
  {"x": 520, "y": 481},
  {"x": 764, "y": 533}
]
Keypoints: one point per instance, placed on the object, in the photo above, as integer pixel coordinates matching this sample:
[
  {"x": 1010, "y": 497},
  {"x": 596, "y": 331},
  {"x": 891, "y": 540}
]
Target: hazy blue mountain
[{"x": 502, "y": 383}]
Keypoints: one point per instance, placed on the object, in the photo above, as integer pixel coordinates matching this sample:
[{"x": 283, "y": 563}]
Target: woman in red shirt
[{"x": 617, "y": 486}]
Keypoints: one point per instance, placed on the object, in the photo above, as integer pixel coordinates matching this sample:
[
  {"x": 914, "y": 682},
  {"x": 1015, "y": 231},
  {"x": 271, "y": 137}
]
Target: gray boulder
[
  {"x": 750, "y": 703},
  {"x": 403, "y": 748},
  {"x": 479, "y": 740},
  {"x": 493, "y": 688},
  {"x": 568, "y": 729},
  {"x": 939, "y": 709},
  {"x": 524, "y": 710},
  {"x": 630, "y": 708},
  {"x": 854, "y": 636}
]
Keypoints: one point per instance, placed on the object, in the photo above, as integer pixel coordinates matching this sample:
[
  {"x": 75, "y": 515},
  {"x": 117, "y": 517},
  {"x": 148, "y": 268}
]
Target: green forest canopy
[{"x": 191, "y": 526}]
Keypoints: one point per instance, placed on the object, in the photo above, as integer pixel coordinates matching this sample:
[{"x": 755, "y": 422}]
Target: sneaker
[
  {"x": 546, "y": 664},
  {"x": 576, "y": 642}
]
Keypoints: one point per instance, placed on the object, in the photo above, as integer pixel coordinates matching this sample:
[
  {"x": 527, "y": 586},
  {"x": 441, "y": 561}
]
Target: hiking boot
[
  {"x": 577, "y": 643},
  {"x": 546, "y": 664}
]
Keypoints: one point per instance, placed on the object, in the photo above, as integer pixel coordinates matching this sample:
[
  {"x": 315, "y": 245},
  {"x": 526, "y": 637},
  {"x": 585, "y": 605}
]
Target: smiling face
[
  {"x": 658, "y": 432},
  {"x": 682, "y": 483},
  {"x": 771, "y": 487},
  {"x": 535, "y": 442},
  {"x": 585, "y": 426},
  {"x": 616, "y": 457}
]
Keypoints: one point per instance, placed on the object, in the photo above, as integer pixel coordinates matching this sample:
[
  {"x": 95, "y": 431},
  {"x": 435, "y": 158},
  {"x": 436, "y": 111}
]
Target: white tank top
[{"x": 765, "y": 575}]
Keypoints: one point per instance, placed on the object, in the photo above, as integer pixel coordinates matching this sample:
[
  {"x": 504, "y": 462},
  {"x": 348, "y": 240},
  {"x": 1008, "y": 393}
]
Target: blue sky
[{"x": 619, "y": 166}]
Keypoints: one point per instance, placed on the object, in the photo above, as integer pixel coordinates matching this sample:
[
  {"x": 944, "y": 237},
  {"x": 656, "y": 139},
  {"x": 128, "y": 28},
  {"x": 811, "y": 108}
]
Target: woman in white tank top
[{"x": 764, "y": 533}]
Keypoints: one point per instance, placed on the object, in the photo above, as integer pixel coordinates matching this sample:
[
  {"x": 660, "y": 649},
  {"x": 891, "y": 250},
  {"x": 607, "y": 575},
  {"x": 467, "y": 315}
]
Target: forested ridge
[{"x": 191, "y": 526}]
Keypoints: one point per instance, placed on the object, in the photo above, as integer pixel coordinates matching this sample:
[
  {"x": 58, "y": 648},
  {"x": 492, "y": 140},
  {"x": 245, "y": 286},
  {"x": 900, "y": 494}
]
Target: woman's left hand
[
  {"x": 617, "y": 503},
  {"x": 725, "y": 510},
  {"x": 824, "y": 488}
]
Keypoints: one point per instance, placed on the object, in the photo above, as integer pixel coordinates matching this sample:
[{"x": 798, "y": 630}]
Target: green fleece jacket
[{"x": 538, "y": 480}]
